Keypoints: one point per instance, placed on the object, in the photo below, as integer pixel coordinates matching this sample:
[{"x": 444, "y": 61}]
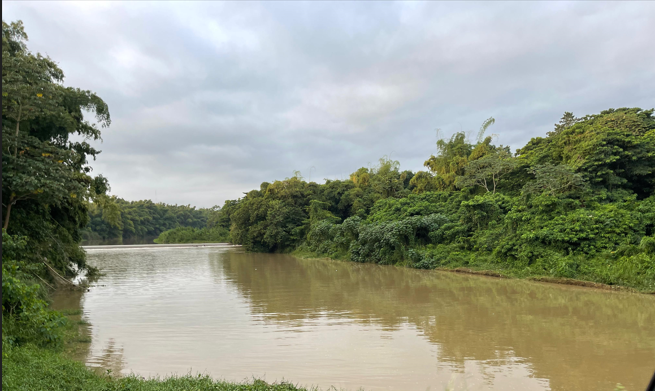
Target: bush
[
  {"x": 648, "y": 244},
  {"x": 25, "y": 314}
]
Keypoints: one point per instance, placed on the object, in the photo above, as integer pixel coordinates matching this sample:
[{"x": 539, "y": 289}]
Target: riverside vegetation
[
  {"x": 137, "y": 220},
  {"x": 576, "y": 204}
]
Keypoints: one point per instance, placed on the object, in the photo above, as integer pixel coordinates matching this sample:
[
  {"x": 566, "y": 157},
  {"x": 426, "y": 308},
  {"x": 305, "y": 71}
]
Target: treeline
[
  {"x": 577, "y": 203},
  {"x": 134, "y": 220},
  {"x": 137, "y": 221},
  {"x": 194, "y": 235}
]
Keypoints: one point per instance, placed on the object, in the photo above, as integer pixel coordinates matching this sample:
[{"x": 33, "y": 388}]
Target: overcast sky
[{"x": 208, "y": 99}]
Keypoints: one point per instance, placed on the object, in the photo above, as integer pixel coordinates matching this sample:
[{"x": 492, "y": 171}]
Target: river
[{"x": 235, "y": 315}]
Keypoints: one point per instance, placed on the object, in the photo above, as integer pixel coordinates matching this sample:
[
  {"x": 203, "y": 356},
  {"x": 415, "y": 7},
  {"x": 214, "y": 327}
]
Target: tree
[
  {"x": 567, "y": 120},
  {"x": 613, "y": 150},
  {"x": 450, "y": 161},
  {"x": 487, "y": 171},
  {"x": 455, "y": 154},
  {"x": 422, "y": 181},
  {"x": 38, "y": 116},
  {"x": 386, "y": 178},
  {"x": 553, "y": 180},
  {"x": 46, "y": 183},
  {"x": 485, "y": 125}
]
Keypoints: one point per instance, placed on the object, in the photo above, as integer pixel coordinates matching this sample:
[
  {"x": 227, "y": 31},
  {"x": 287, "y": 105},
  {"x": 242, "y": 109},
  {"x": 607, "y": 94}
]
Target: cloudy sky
[{"x": 210, "y": 99}]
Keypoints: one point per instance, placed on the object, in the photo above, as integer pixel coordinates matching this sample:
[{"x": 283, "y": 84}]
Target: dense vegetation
[
  {"x": 194, "y": 235},
  {"x": 124, "y": 221},
  {"x": 130, "y": 220},
  {"x": 578, "y": 203}
]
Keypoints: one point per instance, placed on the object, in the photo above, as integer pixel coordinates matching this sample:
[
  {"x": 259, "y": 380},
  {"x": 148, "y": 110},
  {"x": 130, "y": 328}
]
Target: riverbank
[
  {"x": 498, "y": 271},
  {"x": 38, "y": 344},
  {"x": 179, "y": 245},
  {"x": 32, "y": 367}
]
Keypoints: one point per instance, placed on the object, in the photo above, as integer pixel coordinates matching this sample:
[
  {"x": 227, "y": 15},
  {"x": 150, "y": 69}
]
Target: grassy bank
[
  {"x": 33, "y": 368},
  {"x": 38, "y": 343},
  {"x": 566, "y": 270},
  {"x": 45, "y": 366}
]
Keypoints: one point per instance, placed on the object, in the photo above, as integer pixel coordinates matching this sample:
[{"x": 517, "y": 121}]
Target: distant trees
[
  {"x": 141, "y": 219},
  {"x": 216, "y": 234}
]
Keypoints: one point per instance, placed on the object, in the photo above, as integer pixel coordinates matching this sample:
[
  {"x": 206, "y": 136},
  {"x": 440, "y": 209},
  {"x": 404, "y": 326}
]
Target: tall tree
[
  {"x": 46, "y": 181},
  {"x": 487, "y": 171},
  {"x": 613, "y": 150}
]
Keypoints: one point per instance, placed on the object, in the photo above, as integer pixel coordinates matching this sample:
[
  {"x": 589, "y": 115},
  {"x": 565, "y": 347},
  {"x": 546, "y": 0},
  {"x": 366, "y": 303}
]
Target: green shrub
[{"x": 648, "y": 244}]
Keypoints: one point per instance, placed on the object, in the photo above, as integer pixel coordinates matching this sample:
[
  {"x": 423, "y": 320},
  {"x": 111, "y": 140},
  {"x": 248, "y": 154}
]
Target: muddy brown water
[{"x": 234, "y": 315}]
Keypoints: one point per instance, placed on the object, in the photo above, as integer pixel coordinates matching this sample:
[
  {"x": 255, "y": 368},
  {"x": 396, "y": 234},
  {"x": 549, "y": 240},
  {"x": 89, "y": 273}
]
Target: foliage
[
  {"x": 486, "y": 171},
  {"x": 612, "y": 150},
  {"x": 423, "y": 181},
  {"x": 31, "y": 368},
  {"x": 576, "y": 204},
  {"x": 455, "y": 155},
  {"x": 25, "y": 314},
  {"x": 141, "y": 219},
  {"x": 217, "y": 234},
  {"x": 278, "y": 217},
  {"x": 46, "y": 181},
  {"x": 554, "y": 181}
]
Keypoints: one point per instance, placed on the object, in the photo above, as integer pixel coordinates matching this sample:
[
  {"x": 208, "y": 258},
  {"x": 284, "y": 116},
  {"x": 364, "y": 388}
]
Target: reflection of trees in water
[
  {"x": 111, "y": 359},
  {"x": 79, "y": 349},
  {"x": 576, "y": 337},
  {"x": 71, "y": 301}
]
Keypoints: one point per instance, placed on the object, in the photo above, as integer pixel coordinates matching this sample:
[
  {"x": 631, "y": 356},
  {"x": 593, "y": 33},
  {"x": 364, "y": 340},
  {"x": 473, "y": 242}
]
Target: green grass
[
  {"x": 71, "y": 312},
  {"x": 632, "y": 273},
  {"x": 30, "y": 368},
  {"x": 35, "y": 368}
]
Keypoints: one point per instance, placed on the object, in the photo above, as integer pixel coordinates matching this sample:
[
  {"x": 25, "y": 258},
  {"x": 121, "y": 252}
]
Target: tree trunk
[
  {"x": 20, "y": 110},
  {"x": 7, "y": 215}
]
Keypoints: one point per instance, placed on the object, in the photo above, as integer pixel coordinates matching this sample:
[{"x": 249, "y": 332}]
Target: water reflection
[
  {"x": 109, "y": 360},
  {"x": 578, "y": 338},
  {"x": 236, "y": 315}
]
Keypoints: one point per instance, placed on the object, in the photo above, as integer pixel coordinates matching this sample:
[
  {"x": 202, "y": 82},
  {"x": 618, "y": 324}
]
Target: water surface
[{"x": 234, "y": 315}]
